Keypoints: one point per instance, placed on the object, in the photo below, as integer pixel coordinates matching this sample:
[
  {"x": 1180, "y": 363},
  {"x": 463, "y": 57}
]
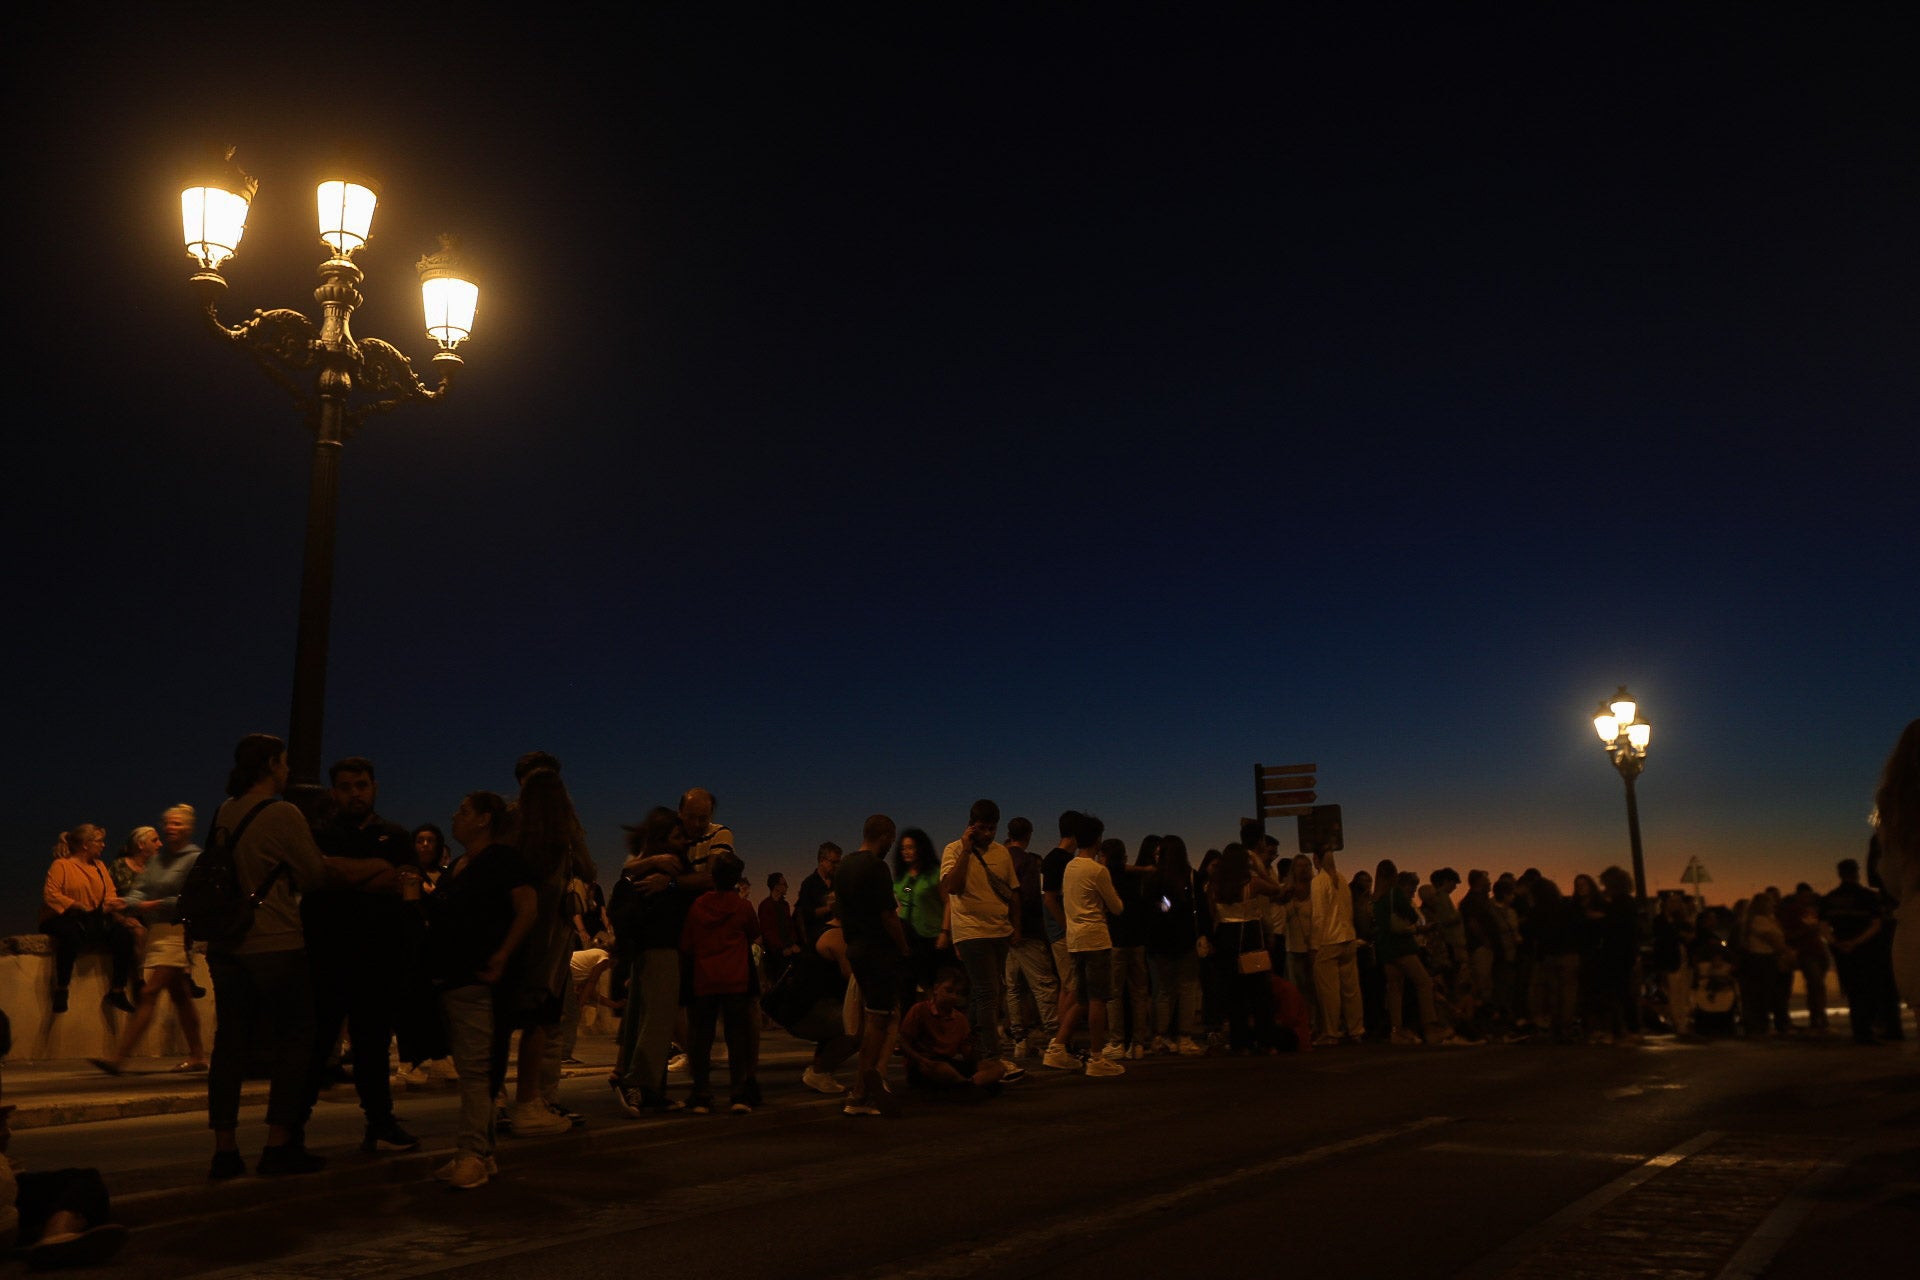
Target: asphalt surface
[{"x": 1795, "y": 1158}]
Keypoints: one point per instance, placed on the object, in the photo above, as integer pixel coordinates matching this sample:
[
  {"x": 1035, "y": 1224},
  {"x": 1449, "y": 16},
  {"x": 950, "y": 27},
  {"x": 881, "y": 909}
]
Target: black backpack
[{"x": 213, "y": 906}]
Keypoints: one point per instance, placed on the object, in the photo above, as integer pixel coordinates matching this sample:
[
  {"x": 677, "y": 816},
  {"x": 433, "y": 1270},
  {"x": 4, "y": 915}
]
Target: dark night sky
[{"x": 872, "y": 410}]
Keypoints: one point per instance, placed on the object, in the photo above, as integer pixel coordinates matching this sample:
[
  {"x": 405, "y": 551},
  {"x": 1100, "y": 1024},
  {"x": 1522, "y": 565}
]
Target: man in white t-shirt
[
  {"x": 1336, "y": 967},
  {"x": 1087, "y": 896},
  {"x": 978, "y": 879}
]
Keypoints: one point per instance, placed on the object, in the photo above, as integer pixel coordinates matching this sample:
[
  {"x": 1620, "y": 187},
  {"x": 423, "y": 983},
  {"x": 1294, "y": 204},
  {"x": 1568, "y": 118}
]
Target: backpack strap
[{"x": 233, "y": 844}]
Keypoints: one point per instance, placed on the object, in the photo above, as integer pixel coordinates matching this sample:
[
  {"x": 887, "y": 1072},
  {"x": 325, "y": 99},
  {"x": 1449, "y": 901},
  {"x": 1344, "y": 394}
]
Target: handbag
[{"x": 1254, "y": 959}]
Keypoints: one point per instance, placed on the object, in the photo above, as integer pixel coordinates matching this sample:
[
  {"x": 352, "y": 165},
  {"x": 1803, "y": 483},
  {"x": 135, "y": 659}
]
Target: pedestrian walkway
[{"x": 77, "y": 1092}]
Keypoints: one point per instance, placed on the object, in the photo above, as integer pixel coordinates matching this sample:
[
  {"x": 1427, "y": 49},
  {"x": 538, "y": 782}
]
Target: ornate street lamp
[
  {"x": 338, "y": 381},
  {"x": 1625, "y": 736}
]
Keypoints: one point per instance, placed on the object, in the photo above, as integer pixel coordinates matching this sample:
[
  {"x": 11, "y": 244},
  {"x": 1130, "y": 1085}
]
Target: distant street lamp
[
  {"x": 288, "y": 346},
  {"x": 1625, "y": 737}
]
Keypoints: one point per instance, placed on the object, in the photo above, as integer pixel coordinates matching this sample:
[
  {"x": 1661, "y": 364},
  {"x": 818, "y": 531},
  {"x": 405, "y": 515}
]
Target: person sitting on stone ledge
[{"x": 84, "y": 915}]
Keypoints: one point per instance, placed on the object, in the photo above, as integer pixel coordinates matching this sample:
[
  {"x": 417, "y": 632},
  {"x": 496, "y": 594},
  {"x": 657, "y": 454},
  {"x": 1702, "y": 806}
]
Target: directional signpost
[
  {"x": 1696, "y": 875},
  {"x": 1283, "y": 790}
]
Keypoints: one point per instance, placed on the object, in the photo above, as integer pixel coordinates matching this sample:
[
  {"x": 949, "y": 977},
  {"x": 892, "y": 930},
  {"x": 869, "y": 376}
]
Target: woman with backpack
[{"x": 262, "y": 993}]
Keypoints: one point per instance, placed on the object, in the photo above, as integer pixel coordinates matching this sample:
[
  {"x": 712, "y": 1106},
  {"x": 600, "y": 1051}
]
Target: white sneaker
[
  {"x": 532, "y": 1118},
  {"x": 1104, "y": 1066},
  {"x": 1136, "y": 1052},
  {"x": 417, "y": 1077},
  {"x": 1059, "y": 1058},
  {"x": 821, "y": 1081},
  {"x": 1114, "y": 1052},
  {"x": 678, "y": 1062},
  {"x": 1191, "y": 1048},
  {"x": 465, "y": 1171}
]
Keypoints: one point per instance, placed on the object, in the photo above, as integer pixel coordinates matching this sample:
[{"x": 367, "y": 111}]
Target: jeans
[
  {"x": 646, "y": 1030},
  {"x": 1176, "y": 993},
  {"x": 1132, "y": 1007},
  {"x": 469, "y": 1016},
  {"x": 1031, "y": 959},
  {"x": 1399, "y": 972},
  {"x": 985, "y": 960},
  {"x": 263, "y": 999}
]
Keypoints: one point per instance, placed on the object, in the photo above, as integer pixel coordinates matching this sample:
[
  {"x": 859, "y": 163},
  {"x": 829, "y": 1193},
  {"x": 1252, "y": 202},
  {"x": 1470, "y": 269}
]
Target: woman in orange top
[{"x": 80, "y": 895}]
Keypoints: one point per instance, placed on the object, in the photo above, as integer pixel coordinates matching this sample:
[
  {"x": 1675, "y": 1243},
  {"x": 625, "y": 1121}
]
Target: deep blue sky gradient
[{"x": 876, "y": 411}]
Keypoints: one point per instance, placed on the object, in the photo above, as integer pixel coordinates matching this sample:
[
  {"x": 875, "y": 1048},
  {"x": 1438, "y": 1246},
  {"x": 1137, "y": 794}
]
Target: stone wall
[{"x": 90, "y": 1028}]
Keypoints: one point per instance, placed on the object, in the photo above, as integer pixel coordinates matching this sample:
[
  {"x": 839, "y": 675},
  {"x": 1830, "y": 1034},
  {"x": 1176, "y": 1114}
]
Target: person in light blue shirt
[{"x": 154, "y": 901}]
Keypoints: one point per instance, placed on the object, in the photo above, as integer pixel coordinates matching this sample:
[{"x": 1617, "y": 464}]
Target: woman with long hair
[
  {"x": 1396, "y": 925},
  {"x": 141, "y": 843},
  {"x": 1173, "y": 959},
  {"x": 1238, "y": 897},
  {"x": 1765, "y": 959},
  {"x": 538, "y": 997},
  {"x": 922, "y": 907},
  {"x": 1297, "y": 920},
  {"x": 1129, "y": 1002}
]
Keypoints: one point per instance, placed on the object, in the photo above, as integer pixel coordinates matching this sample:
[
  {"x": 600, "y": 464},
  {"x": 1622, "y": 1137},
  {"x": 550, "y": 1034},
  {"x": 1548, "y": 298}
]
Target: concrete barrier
[{"x": 90, "y": 1028}]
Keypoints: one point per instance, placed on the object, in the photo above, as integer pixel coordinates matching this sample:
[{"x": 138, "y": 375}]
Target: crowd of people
[{"x": 969, "y": 962}]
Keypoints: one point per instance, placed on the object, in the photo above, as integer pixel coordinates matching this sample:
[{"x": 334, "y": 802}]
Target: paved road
[{"x": 1714, "y": 1159}]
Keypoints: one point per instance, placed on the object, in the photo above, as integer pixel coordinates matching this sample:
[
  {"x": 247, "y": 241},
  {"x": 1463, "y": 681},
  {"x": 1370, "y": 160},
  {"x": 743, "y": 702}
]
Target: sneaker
[
  {"x": 416, "y": 1076},
  {"x": 678, "y": 1062},
  {"x": 387, "y": 1135},
  {"x": 1060, "y": 1058},
  {"x": 821, "y": 1081},
  {"x": 289, "y": 1159},
  {"x": 573, "y": 1118},
  {"x": 1136, "y": 1052},
  {"x": 740, "y": 1108},
  {"x": 533, "y": 1118},
  {"x": 700, "y": 1104},
  {"x": 1404, "y": 1036},
  {"x": 860, "y": 1108},
  {"x": 1191, "y": 1048},
  {"x": 443, "y": 1070},
  {"x": 1104, "y": 1066},
  {"x": 227, "y": 1164},
  {"x": 465, "y": 1171},
  {"x": 1011, "y": 1071},
  {"x": 660, "y": 1102},
  {"x": 1114, "y": 1052},
  {"x": 1160, "y": 1045},
  {"x": 1325, "y": 1041},
  {"x": 628, "y": 1100}
]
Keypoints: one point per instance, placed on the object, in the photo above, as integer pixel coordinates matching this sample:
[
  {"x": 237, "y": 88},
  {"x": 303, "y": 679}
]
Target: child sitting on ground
[{"x": 937, "y": 1041}]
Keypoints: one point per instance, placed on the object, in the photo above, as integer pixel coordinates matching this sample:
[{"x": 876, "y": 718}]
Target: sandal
[{"x": 191, "y": 1064}]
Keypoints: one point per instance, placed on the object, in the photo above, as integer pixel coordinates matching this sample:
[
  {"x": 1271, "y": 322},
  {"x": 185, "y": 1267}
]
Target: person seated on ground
[
  {"x": 936, "y": 1040},
  {"x": 83, "y": 914},
  {"x": 60, "y": 1218},
  {"x": 154, "y": 898}
]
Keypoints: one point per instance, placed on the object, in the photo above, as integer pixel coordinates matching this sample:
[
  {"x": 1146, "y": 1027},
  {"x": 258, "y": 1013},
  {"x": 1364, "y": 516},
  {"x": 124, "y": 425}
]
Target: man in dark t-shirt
[
  {"x": 876, "y": 952},
  {"x": 1856, "y": 913},
  {"x": 815, "y": 901},
  {"x": 356, "y": 952}
]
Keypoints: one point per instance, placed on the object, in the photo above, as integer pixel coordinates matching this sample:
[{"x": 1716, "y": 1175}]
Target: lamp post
[
  {"x": 337, "y": 380},
  {"x": 1625, "y": 737}
]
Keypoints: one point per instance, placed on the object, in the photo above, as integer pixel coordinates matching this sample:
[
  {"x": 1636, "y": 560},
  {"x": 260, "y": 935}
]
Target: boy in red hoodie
[{"x": 717, "y": 942}]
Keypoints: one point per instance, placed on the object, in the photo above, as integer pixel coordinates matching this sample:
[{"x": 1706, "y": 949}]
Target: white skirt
[{"x": 166, "y": 946}]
